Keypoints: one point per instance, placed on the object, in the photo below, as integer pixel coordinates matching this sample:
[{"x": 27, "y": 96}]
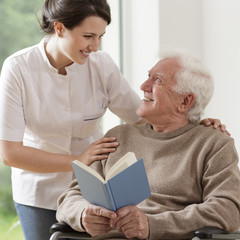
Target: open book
[{"x": 125, "y": 183}]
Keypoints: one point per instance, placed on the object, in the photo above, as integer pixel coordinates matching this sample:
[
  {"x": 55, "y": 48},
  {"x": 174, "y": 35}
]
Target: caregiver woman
[{"x": 52, "y": 98}]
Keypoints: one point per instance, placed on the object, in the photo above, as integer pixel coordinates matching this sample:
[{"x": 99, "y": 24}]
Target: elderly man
[{"x": 192, "y": 170}]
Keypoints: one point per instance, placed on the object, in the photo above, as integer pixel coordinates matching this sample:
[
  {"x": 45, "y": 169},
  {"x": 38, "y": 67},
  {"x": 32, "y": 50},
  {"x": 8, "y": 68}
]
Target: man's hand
[
  {"x": 132, "y": 222},
  {"x": 216, "y": 123},
  {"x": 96, "y": 220}
]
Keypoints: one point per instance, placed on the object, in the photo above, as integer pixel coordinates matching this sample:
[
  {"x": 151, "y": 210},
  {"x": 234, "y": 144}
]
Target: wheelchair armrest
[
  {"x": 206, "y": 231},
  {"x": 63, "y": 230},
  {"x": 61, "y": 227},
  {"x": 216, "y": 233},
  {"x": 66, "y": 229}
]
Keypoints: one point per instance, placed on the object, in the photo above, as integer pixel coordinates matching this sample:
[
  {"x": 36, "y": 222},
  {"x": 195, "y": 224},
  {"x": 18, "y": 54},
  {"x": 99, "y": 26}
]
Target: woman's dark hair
[{"x": 72, "y": 12}]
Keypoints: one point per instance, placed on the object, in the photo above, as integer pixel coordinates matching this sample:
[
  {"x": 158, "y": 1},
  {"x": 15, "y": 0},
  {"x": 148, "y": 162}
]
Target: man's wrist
[{"x": 81, "y": 223}]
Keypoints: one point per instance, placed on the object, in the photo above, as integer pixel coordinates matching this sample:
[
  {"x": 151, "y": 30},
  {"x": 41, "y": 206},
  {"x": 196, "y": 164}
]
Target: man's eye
[
  {"x": 87, "y": 36},
  {"x": 158, "y": 80}
]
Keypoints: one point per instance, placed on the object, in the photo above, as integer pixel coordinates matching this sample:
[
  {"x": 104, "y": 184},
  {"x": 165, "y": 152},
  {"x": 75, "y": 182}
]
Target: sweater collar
[{"x": 148, "y": 131}]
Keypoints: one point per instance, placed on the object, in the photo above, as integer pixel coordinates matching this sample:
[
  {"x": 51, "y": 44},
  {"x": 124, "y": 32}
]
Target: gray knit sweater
[{"x": 193, "y": 175}]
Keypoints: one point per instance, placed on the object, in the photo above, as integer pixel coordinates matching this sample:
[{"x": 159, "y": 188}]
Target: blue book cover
[{"x": 129, "y": 187}]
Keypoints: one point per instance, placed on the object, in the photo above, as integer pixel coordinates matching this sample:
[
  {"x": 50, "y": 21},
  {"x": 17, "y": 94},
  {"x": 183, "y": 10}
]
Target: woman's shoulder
[
  {"x": 22, "y": 56},
  {"x": 23, "y": 52},
  {"x": 101, "y": 56}
]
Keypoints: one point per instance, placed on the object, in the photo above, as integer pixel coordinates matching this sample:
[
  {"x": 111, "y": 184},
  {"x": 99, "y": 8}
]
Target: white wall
[
  {"x": 221, "y": 44},
  {"x": 181, "y": 24}
]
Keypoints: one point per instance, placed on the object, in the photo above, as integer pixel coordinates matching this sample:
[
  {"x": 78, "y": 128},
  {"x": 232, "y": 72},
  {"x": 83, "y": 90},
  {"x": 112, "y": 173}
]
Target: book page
[
  {"x": 124, "y": 162},
  {"x": 90, "y": 170}
]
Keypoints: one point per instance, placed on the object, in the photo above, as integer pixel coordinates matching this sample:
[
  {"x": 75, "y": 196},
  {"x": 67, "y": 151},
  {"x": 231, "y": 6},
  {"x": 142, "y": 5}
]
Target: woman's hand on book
[
  {"x": 98, "y": 150},
  {"x": 96, "y": 220}
]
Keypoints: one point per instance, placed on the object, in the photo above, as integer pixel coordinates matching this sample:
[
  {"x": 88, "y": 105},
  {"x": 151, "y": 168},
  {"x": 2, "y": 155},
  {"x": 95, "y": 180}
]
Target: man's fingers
[
  {"x": 100, "y": 211},
  {"x": 121, "y": 213},
  {"x": 96, "y": 220},
  {"x": 107, "y": 213}
]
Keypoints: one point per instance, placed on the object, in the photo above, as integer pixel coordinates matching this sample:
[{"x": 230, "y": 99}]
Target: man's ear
[{"x": 187, "y": 102}]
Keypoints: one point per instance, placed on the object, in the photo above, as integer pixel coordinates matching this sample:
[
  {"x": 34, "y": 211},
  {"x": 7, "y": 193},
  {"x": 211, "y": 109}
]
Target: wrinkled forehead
[
  {"x": 157, "y": 73},
  {"x": 166, "y": 68}
]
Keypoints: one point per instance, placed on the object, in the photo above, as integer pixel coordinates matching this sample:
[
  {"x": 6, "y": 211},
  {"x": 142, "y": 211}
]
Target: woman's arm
[{"x": 15, "y": 154}]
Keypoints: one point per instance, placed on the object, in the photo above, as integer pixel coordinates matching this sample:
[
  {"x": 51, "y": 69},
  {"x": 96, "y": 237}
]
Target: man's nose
[{"x": 146, "y": 86}]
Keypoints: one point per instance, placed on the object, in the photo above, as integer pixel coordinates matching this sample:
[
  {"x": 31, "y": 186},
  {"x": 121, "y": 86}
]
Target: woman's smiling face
[{"x": 76, "y": 44}]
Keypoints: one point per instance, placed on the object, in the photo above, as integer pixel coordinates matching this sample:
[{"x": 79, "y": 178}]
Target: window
[{"x": 132, "y": 39}]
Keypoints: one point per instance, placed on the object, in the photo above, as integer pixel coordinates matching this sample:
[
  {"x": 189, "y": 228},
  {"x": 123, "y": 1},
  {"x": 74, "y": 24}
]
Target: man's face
[{"x": 160, "y": 101}]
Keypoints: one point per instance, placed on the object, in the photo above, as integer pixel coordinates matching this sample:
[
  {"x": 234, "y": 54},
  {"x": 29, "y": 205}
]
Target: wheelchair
[{"x": 62, "y": 230}]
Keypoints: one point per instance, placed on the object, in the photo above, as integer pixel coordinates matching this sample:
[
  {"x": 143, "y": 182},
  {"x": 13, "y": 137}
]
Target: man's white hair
[{"x": 193, "y": 77}]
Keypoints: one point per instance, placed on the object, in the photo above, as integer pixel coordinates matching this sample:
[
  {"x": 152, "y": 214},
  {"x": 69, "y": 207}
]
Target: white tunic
[{"x": 57, "y": 113}]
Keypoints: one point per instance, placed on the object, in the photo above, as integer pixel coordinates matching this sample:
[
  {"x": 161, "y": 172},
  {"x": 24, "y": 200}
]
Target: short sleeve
[
  {"x": 12, "y": 122},
  {"x": 123, "y": 100}
]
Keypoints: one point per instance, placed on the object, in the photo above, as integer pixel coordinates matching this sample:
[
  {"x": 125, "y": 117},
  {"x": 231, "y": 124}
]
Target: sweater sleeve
[
  {"x": 71, "y": 204},
  {"x": 220, "y": 206},
  {"x": 70, "y": 207}
]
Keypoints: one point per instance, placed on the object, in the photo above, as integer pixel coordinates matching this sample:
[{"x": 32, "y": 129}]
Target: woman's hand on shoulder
[
  {"x": 215, "y": 123},
  {"x": 98, "y": 150}
]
